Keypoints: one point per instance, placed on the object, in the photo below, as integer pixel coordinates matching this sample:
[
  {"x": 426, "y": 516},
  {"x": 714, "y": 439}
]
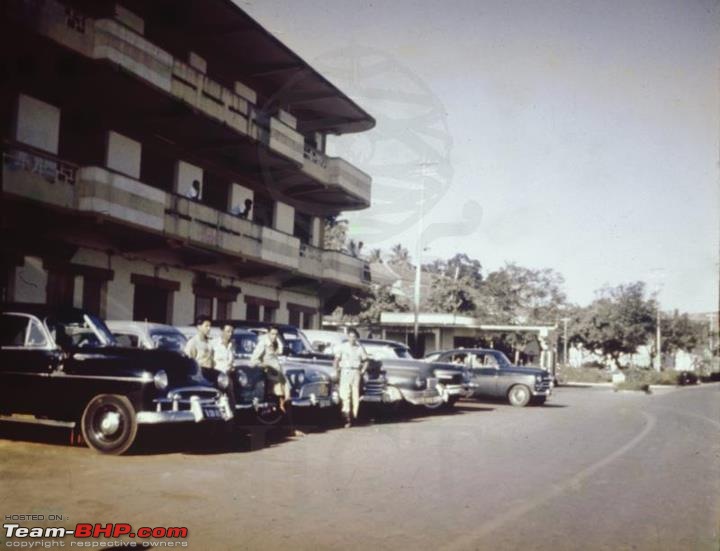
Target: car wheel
[
  {"x": 109, "y": 424},
  {"x": 270, "y": 416},
  {"x": 519, "y": 396}
]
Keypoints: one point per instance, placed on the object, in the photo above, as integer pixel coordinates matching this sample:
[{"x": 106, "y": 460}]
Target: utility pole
[
  {"x": 658, "y": 340},
  {"x": 418, "y": 257},
  {"x": 565, "y": 341}
]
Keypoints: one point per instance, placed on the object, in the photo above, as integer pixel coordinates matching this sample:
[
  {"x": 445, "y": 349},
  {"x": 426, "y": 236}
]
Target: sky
[{"x": 580, "y": 136}]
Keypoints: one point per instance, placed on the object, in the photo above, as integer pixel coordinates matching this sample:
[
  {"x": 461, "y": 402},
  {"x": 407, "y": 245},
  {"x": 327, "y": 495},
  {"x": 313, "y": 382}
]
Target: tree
[
  {"x": 681, "y": 333},
  {"x": 379, "y": 299},
  {"x": 336, "y": 233},
  {"x": 618, "y": 321},
  {"x": 451, "y": 296},
  {"x": 460, "y": 266},
  {"x": 514, "y": 294},
  {"x": 399, "y": 255}
]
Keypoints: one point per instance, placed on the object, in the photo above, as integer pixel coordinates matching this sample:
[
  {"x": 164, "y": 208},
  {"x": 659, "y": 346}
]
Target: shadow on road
[{"x": 247, "y": 436}]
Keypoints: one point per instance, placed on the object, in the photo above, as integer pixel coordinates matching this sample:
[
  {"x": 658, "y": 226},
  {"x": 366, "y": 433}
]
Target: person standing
[
  {"x": 224, "y": 355},
  {"x": 267, "y": 357},
  {"x": 351, "y": 362},
  {"x": 200, "y": 348}
]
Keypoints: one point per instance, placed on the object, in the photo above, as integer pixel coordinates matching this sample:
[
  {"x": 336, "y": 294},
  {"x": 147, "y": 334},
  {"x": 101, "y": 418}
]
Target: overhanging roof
[{"x": 238, "y": 48}]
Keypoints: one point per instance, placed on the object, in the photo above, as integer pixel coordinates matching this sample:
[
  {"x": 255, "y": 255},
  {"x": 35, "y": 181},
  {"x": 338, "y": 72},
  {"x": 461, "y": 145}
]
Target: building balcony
[
  {"x": 114, "y": 198},
  {"x": 303, "y": 174}
]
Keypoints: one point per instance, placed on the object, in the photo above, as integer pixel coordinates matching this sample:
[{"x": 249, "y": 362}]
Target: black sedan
[{"x": 63, "y": 366}]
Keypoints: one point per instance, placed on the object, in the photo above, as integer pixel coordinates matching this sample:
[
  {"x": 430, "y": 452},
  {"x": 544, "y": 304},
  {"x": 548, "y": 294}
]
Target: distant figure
[
  {"x": 194, "y": 191},
  {"x": 245, "y": 213}
]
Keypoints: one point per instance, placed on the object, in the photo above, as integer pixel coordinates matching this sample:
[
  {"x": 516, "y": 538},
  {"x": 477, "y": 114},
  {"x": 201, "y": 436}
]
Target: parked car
[
  {"x": 63, "y": 366},
  {"x": 396, "y": 364},
  {"x": 491, "y": 375},
  {"x": 311, "y": 377},
  {"x": 324, "y": 342},
  {"x": 147, "y": 335}
]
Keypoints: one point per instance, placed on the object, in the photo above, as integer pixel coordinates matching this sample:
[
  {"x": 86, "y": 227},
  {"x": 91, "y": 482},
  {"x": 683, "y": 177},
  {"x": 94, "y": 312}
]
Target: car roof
[
  {"x": 42, "y": 310},
  {"x": 383, "y": 341},
  {"x": 251, "y": 323},
  {"x": 122, "y": 324},
  {"x": 465, "y": 350}
]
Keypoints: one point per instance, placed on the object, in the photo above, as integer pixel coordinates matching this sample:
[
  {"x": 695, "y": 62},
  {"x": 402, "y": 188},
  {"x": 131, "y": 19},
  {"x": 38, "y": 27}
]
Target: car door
[
  {"x": 484, "y": 373},
  {"x": 28, "y": 360}
]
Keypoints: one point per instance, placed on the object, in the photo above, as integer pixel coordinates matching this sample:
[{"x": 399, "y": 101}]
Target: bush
[
  {"x": 641, "y": 379},
  {"x": 582, "y": 375}
]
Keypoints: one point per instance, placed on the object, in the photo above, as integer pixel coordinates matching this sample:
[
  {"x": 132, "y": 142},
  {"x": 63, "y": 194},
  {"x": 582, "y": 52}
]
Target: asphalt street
[{"x": 593, "y": 469}]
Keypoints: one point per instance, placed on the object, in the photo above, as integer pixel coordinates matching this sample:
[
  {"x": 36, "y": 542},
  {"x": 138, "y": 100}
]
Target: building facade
[{"x": 166, "y": 159}]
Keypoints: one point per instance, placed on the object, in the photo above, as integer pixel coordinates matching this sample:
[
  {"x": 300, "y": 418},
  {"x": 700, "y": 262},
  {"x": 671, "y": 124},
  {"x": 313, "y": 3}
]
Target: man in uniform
[
  {"x": 199, "y": 347},
  {"x": 351, "y": 362}
]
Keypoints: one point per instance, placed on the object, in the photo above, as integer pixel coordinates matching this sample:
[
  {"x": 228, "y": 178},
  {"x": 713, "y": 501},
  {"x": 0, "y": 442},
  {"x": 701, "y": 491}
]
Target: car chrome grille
[
  {"x": 320, "y": 390},
  {"x": 432, "y": 383},
  {"x": 374, "y": 387},
  {"x": 186, "y": 393}
]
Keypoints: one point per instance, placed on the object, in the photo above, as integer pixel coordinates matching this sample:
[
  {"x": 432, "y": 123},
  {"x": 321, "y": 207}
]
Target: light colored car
[
  {"x": 324, "y": 341},
  {"x": 147, "y": 335}
]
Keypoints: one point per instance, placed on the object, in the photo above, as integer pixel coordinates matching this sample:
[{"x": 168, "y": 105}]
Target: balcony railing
[
  {"x": 108, "y": 39},
  {"x": 42, "y": 177}
]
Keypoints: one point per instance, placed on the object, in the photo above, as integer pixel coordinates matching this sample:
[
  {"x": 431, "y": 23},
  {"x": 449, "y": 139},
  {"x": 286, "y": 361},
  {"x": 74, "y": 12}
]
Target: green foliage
[
  {"x": 680, "y": 332},
  {"x": 514, "y": 294},
  {"x": 618, "y": 321},
  {"x": 380, "y": 299}
]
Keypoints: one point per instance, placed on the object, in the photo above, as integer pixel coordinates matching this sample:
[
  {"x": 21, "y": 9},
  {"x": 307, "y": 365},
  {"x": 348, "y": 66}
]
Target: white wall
[
  {"x": 123, "y": 154},
  {"x": 284, "y": 217},
  {"x": 238, "y": 194},
  {"x": 38, "y": 124},
  {"x": 185, "y": 173},
  {"x": 30, "y": 281}
]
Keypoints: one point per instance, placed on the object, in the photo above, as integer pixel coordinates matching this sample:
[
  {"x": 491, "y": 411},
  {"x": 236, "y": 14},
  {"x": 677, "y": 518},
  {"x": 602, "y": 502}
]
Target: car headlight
[
  {"x": 538, "y": 378},
  {"x": 419, "y": 382},
  {"x": 242, "y": 378},
  {"x": 161, "y": 380},
  {"x": 223, "y": 380}
]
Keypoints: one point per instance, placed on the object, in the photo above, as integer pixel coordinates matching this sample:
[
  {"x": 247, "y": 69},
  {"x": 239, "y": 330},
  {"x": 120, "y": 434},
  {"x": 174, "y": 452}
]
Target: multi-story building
[{"x": 166, "y": 159}]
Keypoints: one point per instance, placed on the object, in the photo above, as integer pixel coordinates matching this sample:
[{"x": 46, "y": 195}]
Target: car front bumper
[
  {"x": 316, "y": 401},
  {"x": 185, "y": 407}
]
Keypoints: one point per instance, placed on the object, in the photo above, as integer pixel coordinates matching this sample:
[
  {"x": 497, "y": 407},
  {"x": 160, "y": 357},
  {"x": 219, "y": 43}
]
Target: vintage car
[
  {"x": 397, "y": 376},
  {"x": 62, "y": 366},
  {"x": 491, "y": 375},
  {"x": 324, "y": 342},
  {"x": 147, "y": 335},
  {"x": 310, "y": 376}
]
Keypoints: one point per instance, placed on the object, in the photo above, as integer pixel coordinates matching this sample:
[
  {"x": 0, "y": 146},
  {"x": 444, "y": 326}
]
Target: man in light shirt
[
  {"x": 199, "y": 347},
  {"x": 351, "y": 362},
  {"x": 224, "y": 350}
]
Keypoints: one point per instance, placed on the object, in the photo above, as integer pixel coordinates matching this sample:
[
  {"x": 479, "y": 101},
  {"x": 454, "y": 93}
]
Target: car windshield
[
  {"x": 168, "y": 340},
  {"x": 382, "y": 351},
  {"x": 82, "y": 331}
]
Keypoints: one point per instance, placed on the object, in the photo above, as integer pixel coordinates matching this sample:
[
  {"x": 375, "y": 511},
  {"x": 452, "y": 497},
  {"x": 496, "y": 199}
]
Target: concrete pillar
[{"x": 123, "y": 154}]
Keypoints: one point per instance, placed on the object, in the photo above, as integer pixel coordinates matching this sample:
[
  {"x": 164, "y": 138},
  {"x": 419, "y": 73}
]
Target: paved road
[{"x": 593, "y": 469}]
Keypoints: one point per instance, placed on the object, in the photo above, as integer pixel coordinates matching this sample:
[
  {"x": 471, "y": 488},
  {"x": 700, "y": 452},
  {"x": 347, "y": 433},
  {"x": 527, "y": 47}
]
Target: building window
[
  {"x": 261, "y": 309},
  {"x": 153, "y": 299},
  {"x": 301, "y": 316},
  {"x": 203, "y": 306},
  {"x": 294, "y": 317},
  {"x": 303, "y": 227},
  {"x": 307, "y": 321},
  {"x": 224, "y": 309},
  {"x": 60, "y": 288},
  {"x": 269, "y": 314},
  {"x": 92, "y": 296},
  {"x": 263, "y": 210},
  {"x": 253, "y": 312}
]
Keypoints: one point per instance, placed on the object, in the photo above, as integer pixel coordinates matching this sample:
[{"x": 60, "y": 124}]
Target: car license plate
[{"x": 211, "y": 413}]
